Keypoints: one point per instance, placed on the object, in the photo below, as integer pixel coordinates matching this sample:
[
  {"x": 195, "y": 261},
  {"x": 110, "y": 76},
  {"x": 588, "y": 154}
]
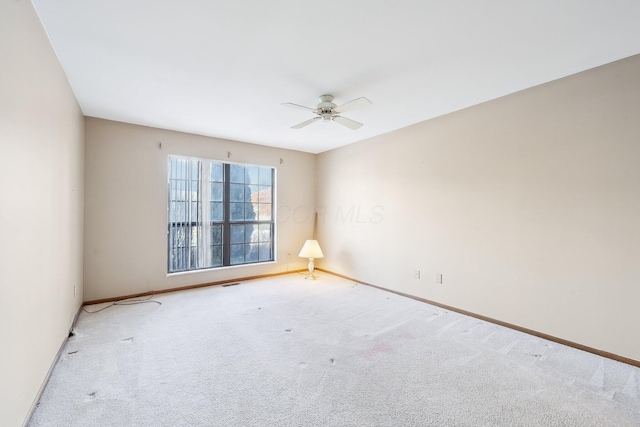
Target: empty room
[{"x": 410, "y": 213}]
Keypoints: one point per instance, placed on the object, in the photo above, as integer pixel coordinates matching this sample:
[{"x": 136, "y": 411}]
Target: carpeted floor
[{"x": 288, "y": 352}]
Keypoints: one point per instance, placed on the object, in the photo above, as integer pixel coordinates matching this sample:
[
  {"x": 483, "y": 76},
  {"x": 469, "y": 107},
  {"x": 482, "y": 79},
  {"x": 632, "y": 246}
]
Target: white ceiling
[{"x": 222, "y": 68}]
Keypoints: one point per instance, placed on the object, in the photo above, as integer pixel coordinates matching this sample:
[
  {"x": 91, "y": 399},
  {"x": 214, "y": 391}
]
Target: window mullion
[
  {"x": 204, "y": 215},
  {"x": 189, "y": 223},
  {"x": 226, "y": 227}
]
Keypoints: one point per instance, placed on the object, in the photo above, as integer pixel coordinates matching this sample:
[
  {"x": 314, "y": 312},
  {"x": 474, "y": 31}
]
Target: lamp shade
[{"x": 311, "y": 249}]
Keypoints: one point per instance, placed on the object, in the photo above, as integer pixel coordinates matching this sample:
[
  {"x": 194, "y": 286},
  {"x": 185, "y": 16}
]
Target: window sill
[{"x": 209, "y": 270}]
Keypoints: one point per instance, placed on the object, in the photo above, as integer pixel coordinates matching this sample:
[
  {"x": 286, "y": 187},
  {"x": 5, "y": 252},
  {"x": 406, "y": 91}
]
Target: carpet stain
[
  {"x": 332, "y": 361},
  {"x": 302, "y": 365},
  {"x": 92, "y": 395},
  {"x": 130, "y": 339},
  {"x": 380, "y": 348},
  {"x": 288, "y": 330},
  {"x": 73, "y": 352}
]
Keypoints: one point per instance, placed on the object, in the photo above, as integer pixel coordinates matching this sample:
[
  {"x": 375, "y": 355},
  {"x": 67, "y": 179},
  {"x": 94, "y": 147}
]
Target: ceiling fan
[{"x": 327, "y": 111}]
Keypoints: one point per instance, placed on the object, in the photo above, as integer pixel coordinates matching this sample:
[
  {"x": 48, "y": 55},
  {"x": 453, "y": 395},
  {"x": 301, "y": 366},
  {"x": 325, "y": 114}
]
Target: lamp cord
[{"x": 127, "y": 301}]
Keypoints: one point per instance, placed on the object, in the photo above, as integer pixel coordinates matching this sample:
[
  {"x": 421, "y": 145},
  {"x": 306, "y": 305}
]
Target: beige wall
[
  {"x": 41, "y": 193},
  {"x": 529, "y": 205},
  {"x": 125, "y": 249}
]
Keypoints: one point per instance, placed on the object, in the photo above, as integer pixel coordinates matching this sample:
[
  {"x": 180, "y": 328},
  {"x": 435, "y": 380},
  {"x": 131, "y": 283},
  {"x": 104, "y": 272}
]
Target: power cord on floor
[{"x": 128, "y": 301}]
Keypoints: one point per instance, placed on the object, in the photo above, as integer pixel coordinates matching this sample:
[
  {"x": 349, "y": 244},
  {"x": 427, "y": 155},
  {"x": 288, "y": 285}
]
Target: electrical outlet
[
  {"x": 439, "y": 279},
  {"x": 416, "y": 274}
]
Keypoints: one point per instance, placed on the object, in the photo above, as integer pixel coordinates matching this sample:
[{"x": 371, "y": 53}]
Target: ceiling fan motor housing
[{"x": 325, "y": 108}]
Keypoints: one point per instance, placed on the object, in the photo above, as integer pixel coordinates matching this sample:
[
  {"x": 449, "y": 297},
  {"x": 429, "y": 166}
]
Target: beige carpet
[{"x": 288, "y": 352}]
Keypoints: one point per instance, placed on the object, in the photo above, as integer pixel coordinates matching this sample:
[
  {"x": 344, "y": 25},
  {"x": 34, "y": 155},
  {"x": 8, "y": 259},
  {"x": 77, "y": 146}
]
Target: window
[{"x": 220, "y": 214}]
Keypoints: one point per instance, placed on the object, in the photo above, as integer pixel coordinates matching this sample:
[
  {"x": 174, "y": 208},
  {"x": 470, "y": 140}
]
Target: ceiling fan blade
[
  {"x": 305, "y": 123},
  {"x": 351, "y": 124},
  {"x": 352, "y": 105},
  {"x": 289, "y": 104}
]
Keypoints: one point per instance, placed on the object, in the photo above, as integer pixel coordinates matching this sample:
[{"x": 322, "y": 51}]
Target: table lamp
[{"x": 311, "y": 250}]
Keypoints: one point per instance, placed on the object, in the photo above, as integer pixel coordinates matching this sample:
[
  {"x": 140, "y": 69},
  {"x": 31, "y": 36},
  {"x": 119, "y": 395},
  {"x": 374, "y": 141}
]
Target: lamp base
[{"x": 310, "y": 275}]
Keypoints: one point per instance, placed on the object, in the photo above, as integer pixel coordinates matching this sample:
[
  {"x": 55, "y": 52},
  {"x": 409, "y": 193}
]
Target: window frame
[{"x": 187, "y": 260}]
